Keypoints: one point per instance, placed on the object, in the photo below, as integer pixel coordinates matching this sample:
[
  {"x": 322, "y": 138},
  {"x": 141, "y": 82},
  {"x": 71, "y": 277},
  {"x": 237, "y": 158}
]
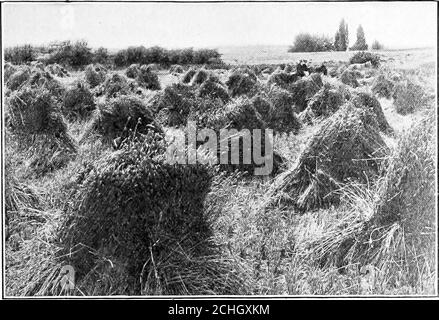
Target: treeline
[
  {"x": 306, "y": 42},
  {"x": 78, "y": 54}
]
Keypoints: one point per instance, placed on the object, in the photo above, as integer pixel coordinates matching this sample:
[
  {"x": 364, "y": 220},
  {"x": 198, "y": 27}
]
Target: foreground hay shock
[
  {"x": 137, "y": 226},
  {"x": 347, "y": 147},
  {"x": 397, "y": 235}
]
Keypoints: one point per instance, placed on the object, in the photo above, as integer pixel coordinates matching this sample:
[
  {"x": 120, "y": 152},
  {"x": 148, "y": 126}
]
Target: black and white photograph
[{"x": 219, "y": 149}]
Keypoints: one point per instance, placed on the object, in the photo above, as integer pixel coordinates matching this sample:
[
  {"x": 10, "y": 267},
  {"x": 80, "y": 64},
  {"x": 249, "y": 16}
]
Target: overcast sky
[{"x": 118, "y": 25}]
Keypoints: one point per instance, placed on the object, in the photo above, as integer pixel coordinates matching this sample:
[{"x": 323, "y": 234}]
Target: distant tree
[
  {"x": 20, "y": 54},
  {"x": 377, "y": 46},
  {"x": 360, "y": 44},
  {"x": 305, "y": 42},
  {"x": 342, "y": 37}
]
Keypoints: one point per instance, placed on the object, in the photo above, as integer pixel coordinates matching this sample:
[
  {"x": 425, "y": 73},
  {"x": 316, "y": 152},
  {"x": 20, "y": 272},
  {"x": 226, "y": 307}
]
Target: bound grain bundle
[
  {"x": 35, "y": 120},
  {"x": 214, "y": 89},
  {"x": 200, "y": 76},
  {"x": 8, "y": 70},
  {"x": 347, "y": 147},
  {"x": 396, "y": 233},
  {"x": 241, "y": 81},
  {"x": 18, "y": 78},
  {"x": 174, "y": 104},
  {"x": 187, "y": 77},
  {"x": 304, "y": 89},
  {"x": 57, "y": 70},
  {"x": 132, "y": 71},
  {"x": 324, "y": 103},
  {"x": 283, "y": 118},
  {"x": 78, "y": 102},
  {"x": 382, "y": 87},
  {"x": 44, "y": 80},
  {"x": 283, "y": 79},
  {"x": 114, "y": 85},
  {"x": 147, "y": 218},
  {"x": 115, "y": 119},
  {"x": 241, "y": 115},
  {"x": 176, "y": 69},
  {"x": 95, "y": 74},
  {"x": 148, "y": 79},
  {"x": 365, "y": 100},
  {"x": 408, "y": 97},
  {"x": 349, "y": 77}
]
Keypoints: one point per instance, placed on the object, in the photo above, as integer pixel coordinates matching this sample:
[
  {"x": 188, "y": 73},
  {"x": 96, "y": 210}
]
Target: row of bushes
[
  {"x": 160, "y": 55},
  {"x": 79, "y": 54}
]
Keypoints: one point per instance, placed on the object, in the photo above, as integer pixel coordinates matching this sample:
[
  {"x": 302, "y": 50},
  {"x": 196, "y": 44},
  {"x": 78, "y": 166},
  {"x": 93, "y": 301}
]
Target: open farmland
[{"x": 348, "y": 209}]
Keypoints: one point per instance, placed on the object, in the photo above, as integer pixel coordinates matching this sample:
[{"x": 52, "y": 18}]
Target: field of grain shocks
[{"x": 348, "y": 209}]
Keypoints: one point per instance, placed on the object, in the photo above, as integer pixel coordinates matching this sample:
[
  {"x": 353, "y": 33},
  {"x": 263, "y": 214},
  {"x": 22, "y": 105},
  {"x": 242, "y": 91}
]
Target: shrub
[
  {"x": 76, "y": 54},
  {"x": 78, "y": 101},
  {"x": 306, "y": 42},
  {"x": 409, "y": 96},
  {"x": 332, "y": 157},
  {"x": 20, "y": 54},
  {"x": 377, "y": 45},
  {"x": 148, "y": 79},
  {"x": 100, "y": 56},
  {"x": 241, "y": 81},
  {"x": 364, "y": 56},
  {"x": 95, "y": 74}
]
